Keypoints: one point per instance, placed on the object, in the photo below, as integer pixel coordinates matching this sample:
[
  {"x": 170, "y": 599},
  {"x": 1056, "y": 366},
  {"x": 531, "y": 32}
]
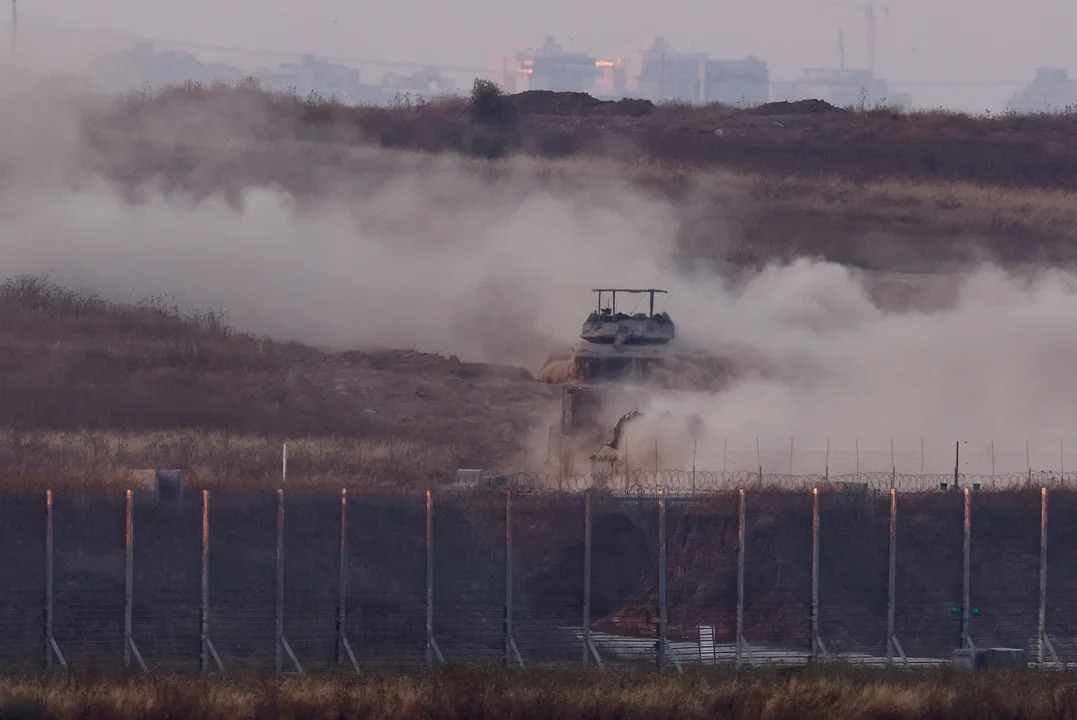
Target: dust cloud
[
  {"x": 327, "y": 243},
  {"x": 989, "y": 371},
  {"x": 336, "y": 244}
]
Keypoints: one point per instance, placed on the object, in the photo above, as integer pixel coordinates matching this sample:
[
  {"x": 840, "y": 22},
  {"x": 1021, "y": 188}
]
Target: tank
[{"x": 616, "y": 345}]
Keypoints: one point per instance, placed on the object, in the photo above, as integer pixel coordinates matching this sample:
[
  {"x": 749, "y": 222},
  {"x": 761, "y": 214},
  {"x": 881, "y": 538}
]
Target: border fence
[{"x": 666, "y": 570}]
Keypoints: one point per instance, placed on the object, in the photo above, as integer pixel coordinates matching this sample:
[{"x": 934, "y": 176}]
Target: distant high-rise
[
  {"x": 1052, "y": 89},
  {"x": 736, "y": 82},
  {"x": 552, "y": 68},
  {"x": 666, "y": 75},
  {"x": 842, "y": 87}
]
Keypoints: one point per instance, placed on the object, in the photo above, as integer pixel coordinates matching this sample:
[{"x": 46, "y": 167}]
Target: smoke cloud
[{"x": 345, "y": 246}]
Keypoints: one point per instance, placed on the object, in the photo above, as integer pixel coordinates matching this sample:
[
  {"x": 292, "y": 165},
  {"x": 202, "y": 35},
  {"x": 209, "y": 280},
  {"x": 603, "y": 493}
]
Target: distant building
[
  {"x": 841, "y": 87},
  {"x": 1051, "y": 90},
  {"x": 426, "y": 82},
  {"x": 736, "y": 82},
  {"x": 143, "y": 65},
  {"x": 666, "y": 75},
  {"x": 551, "y": 68},
  {"x": 311, "y": 75}
]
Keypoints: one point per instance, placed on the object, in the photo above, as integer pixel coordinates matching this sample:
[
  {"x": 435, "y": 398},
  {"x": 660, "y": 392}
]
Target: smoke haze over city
[{"x": 919, "y": 42}]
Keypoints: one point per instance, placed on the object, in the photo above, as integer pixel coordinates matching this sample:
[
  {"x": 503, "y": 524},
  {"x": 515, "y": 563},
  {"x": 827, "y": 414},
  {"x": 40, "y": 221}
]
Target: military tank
[{"x": 616, "y": 345}]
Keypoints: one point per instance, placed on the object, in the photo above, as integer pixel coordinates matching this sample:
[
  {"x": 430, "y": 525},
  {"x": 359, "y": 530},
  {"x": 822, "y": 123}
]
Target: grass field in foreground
[{"x": 483, "y": 692}]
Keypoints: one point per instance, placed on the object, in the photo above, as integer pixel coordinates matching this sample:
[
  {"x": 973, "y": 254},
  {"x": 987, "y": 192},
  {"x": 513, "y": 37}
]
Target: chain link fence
[{"x": 516, "y": 572}]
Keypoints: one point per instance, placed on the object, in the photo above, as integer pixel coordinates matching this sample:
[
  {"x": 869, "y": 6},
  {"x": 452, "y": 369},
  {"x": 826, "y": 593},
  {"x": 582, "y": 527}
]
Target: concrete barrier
[{"x": 984, "y": 658}]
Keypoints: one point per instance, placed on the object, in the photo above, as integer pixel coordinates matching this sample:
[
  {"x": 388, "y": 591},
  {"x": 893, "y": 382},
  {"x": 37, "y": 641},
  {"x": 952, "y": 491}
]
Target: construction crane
[{"x": 872, "y": 25}]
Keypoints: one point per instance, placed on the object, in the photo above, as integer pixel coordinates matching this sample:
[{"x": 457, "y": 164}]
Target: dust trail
[
  {"x": 393, "y": 249},
  {"x": 220, "y": 203},
  {"x": 993, "y": 367}
]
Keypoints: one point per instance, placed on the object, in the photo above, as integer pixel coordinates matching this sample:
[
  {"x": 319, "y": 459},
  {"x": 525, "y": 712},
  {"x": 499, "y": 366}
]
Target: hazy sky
[{"x": 923, "y": 40}]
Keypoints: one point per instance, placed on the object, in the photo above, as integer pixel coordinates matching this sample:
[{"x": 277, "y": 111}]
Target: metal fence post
[
  {"x": 207, "y": 651},
  {"x": 891, "y": 590},
  {"x": 661, "y": 579},
  {"x": 1041, "y": 631},
  {"x": 344, "y": 648},
  {"x": 129, "y": 576},
  {"x": 51, "y": 648},
  {"x": 432, "y": 650},
  {"x": 740, "y": 580},
  {"x": 587, "y": 578},
  {"x": 278, "y": 646},
  {"x": 48, "y": 580},
  {"x": 814, "y": 637},
  {"x": 129, "y": 647},
  {"x": 966, "y": 639},
  {"x": 509, "y": 643},
  {"x": 342, "y": 576},
  {"x": 203, "y": 656},
  {"x": 429, "y": 581}
]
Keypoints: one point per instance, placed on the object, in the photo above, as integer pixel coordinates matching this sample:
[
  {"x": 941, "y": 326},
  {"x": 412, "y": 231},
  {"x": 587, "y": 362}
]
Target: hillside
[
  {"x": 89, "y": 388},
  {"x": 873, "y": 188}
]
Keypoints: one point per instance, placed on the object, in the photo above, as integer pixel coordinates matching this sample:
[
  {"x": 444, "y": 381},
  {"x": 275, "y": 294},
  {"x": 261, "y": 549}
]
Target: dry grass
[
  {"x": 863, "y": 187},
  {"x": 218, "y": 460},
  {"x": 1016, "y": 150},
  {"x": 482, "y": 692},
  {"x": 90, "y": 390},
  {"x": 886, "y": 224},
  {"x": 74, "y": 362}
]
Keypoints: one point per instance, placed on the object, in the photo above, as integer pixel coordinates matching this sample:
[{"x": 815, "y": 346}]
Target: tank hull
[{"x": 617, "y": 362}]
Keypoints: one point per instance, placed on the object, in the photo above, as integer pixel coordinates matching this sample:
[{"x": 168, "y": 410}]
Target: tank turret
[{"x": 615, "y": 344}]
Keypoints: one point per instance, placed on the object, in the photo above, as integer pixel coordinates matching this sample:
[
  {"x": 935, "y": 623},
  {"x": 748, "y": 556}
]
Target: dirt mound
[
  {"x": 798, "y": 107},
  {"x": 686, "y": 369},
  {"x": 559, "y": 367},
  {"x": 547, "y": 102}
]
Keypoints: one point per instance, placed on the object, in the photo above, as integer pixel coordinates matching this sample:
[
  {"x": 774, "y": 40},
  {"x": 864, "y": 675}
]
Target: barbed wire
[
  {"x": 687, "y": 482},
  {"x": 636, "y": 482}
]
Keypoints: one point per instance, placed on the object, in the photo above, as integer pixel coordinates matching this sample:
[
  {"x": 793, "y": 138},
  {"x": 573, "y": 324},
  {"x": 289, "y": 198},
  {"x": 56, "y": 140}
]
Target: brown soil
[{"x": 75, "y": 363}]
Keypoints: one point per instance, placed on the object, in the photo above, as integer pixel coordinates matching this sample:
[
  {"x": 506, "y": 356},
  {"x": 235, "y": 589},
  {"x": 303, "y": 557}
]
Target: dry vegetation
[
  {"x": 823, "y": 694},
  {"x": 804, "y": 138},
  {"x": 871, "y": 187},
  {"x": 217, "y": 460},
  {"x": 91, "y": 390}
]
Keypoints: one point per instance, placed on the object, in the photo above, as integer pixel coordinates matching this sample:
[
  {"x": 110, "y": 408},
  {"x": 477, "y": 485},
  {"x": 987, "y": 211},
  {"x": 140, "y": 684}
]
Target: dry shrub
[
  {"x": 1013, "y": 150},
  {"x": 792, "y": 182},
  {"x": 475, "y": 692}
]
